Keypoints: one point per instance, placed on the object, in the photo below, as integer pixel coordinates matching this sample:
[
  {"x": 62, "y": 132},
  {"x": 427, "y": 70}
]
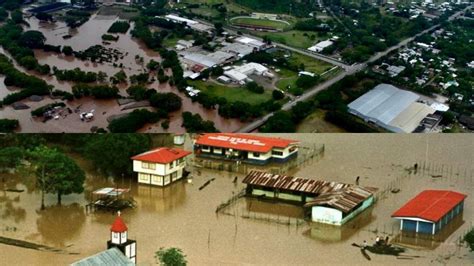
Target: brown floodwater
[
  {"x": 87, "y": 35},
  {"x": 183, "y": 216}
]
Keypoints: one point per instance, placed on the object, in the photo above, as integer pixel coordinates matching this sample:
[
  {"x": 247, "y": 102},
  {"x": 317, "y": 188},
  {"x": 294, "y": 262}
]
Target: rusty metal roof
[{"x": 341, "y": 196}]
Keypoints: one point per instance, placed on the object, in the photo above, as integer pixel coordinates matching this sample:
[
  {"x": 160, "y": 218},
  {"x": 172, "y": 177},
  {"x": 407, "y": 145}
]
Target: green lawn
[
  {"x": 231, "y": 94},
  {"x": 311, "y": 64},
  {"x": 261, "y": 22},
  {"x": 172, "y": 40},
  {"x": 293, "y": 38}
]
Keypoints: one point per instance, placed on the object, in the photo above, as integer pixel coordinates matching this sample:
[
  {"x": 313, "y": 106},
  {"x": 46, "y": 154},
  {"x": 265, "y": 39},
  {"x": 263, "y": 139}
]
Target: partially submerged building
[
  {"x": 430, "y": 211},
  {"x": 121, "y": 250},
  {"x": 246, "y": 148},
  {"x": 391, "y": 108},
  {"x": 161, "y": 166},
  {"x": 330, "y": 202}
]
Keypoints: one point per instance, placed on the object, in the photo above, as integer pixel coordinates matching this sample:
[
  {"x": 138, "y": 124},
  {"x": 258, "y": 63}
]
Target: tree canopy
[{"x": 171, "y": 257}]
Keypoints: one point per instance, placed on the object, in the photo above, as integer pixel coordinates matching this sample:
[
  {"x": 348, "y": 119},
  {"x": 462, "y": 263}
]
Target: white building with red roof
[
  {"x": 430, "y": 211},
  {"x": 244, "y": 147},
  {"x": 161, "y": 166}
]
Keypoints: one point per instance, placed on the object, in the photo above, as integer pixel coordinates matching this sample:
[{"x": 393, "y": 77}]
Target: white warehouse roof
[{"x": 391, "y": 108}]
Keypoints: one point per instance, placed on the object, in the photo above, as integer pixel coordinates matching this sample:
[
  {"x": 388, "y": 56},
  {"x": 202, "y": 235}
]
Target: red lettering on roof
[{"x": 243, "y": 142}]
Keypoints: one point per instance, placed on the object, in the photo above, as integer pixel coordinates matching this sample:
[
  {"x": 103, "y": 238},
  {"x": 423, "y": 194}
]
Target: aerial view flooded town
[
  {"x": 236, "y": 132},
  {"x": 236, "y": 66},
  {"x": 234, "y": 199}
]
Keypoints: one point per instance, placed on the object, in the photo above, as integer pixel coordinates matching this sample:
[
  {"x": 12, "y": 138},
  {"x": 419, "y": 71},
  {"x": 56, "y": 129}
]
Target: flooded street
[
  {"x": 82, "y": 38},
  {"x": 183, "y": 216}
]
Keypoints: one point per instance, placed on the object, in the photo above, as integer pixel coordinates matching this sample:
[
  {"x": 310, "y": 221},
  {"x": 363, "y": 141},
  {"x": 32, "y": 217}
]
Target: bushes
[
  {"x": 169, "y": 102},
  {"x": 254, "y": 87},
  {"x": 280, "y": 122},
  {"x": 67, "y": 50},
  {"x": 31, "y": 85},
  {"x": 277, "y": 95},
  {"x": 119, "y": 27},
  {"x": 77, "y": 75},
  {"x": 97, "y": 91},
  {"x": 8, "y": 125},
  {"x": 305, "y": 82},
  {"x": 195, "y": 124},
  {"x": 469, "y": 238},
  {"x": 109, "y": 37},
  {"x": 134, "y": 121}
]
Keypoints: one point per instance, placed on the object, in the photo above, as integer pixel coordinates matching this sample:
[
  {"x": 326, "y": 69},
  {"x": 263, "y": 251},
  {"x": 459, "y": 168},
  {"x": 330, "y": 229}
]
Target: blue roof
[{"x": 108, "y": 257}]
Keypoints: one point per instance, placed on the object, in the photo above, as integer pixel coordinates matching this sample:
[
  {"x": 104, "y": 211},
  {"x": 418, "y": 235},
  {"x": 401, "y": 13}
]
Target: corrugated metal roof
[
  {"x": 430, "y": 205},
  {"x": 110, "y": 257},
  {"x": 383, "y": 103},
  {"x": 341, "y": 196}
]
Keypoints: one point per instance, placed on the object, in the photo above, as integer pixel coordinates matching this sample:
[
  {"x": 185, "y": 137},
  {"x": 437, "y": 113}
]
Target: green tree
[
  {"x": 168, "y": 102},
  {"x": 32, "y": 39},
  {"x": 67, "y": 50},
  {"x": 56, "y": 173},
  {"x": 171, "y": 257},
  {"x": 111, "y": 153},
  {"x": 280, "y": 122},
  {"x": 10, "y": 157}
]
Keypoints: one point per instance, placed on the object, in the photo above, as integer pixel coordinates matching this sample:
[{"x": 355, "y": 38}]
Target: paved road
[{"x": 349, "y": 70}]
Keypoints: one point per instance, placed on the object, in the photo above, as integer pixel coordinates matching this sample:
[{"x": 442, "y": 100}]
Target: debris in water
[
  {"x": 395, "y": 190},
  {"x": 206, "y": 184}
]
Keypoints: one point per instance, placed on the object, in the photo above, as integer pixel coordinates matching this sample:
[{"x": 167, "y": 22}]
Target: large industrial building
[{"x": 391, "y": 108}]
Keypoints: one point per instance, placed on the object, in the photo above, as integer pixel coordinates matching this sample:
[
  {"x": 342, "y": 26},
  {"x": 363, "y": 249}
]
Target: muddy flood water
[
  {"x": 85, "y": 36},
  {"x": 251, "y": 231}
]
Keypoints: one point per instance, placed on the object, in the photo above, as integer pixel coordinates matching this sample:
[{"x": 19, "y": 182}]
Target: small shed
[{"x": 430, "y": 211}]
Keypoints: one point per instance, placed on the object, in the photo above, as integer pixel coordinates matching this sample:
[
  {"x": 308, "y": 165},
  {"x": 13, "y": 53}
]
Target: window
[
  {"x": 150, "y": 166},
  {"x": 278, "y": 153},
  {"x": 172, "y": 164},
  {"x": 144, "y": 177},
  {"x": 256, "y": 154}
]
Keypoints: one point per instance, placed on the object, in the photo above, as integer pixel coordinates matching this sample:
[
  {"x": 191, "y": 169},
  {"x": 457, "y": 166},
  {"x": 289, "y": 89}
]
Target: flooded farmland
[
  {"x": 85, "y": 36},
  {"x": 251, "y": 231}
]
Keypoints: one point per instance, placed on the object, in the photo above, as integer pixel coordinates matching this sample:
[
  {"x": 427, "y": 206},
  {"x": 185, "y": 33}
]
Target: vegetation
[
  {"x": 96, "y": 91},
  {"x": 75, "y": 18},
  {"x": 134, "y": 121},
  {"x": 10, "y": 157},
  {"x": 280, "y": 122},
  {"x": 168, "y": 102},
  {"x": 56, "y": 173},
  {"x": 8, "y": 125},
  {"x": 30, "y": 85},
  {"x": 110, "y": 153},
  {"x": 171, "y": 257},
  {"x": 77, "y": 75},
  {"x": 296, "y": 8},
  {"x": 195, "y": 124},
  {"x": 119, "y": 27},
  {"x": 109, "y": 37},
  {"x": 469, "y": 238}
]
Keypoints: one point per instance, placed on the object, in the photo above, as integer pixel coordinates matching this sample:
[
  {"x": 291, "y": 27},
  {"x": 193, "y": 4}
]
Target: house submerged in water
[
  {"x": 430, "y": 211},
  {"x": 245, "y": 148},
  {"x": 330, "y": 202}
]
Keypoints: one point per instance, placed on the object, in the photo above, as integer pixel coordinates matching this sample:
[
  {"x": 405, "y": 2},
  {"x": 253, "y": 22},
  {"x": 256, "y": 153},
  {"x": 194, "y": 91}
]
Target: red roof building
[
  {"x": 245, "y": 147},
  {"x": 161, "y": 166},
  {"x": 118, "y": 226},
  {"x": 243, "y": 142},
  {"x": 432, "y": 209},
  {"x": 162, "y": 155}
]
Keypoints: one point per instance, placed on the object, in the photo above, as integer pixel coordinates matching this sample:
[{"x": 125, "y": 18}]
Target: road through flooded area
[
  {"x": 252, "y": 231},
  {"x": 87, "y": 35}
]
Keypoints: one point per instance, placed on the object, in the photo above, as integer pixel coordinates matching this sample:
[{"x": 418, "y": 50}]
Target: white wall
[
  {"x": 161, "y": 175},
  {"x": 286, "y": 152},
  {"x": 262, "y": 157},
  {"x": 326, "y": 215}
]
